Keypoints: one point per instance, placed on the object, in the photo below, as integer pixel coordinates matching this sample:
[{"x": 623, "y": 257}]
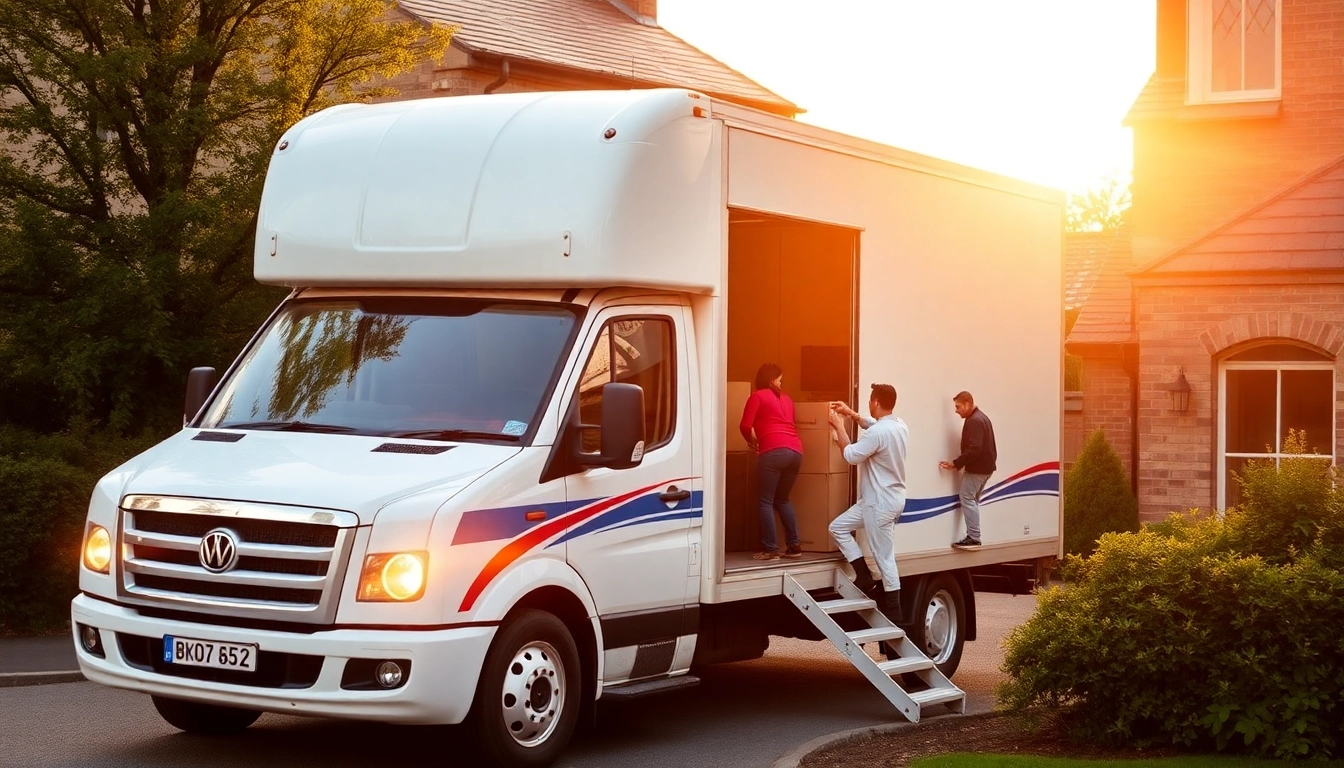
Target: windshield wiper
[
  {"x": 452, "y": 434},
  {"x": 287, "y": 426}
]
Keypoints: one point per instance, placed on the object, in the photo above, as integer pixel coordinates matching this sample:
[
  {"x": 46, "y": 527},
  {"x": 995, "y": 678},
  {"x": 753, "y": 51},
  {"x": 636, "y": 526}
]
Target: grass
[{"x": 960, "y": 760}]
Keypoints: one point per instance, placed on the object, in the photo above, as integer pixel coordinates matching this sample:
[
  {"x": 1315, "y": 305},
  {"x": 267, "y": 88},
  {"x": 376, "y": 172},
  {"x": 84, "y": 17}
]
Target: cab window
[{"x": 631, "y": 350}]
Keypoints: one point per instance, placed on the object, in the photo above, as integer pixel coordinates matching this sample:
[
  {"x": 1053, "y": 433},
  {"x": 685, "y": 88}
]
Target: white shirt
[{"x": 879, "y": 454}]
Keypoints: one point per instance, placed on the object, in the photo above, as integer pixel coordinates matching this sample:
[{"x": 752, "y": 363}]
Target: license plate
[{"x": 187, "y": 652}]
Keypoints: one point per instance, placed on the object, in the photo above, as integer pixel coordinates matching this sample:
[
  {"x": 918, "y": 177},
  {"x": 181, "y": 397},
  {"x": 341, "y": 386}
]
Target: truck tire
[
  {"x": 527, "y": 699},
  {"x": 938, "y": 622},
  {"x": 205, "y": 719}
]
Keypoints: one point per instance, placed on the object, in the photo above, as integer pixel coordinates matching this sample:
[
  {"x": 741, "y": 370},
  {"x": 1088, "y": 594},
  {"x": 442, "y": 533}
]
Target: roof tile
[{"x": 597, "y": 37}]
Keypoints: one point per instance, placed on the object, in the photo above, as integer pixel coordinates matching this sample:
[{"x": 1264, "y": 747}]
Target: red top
[{"x": 771, "y": 415}]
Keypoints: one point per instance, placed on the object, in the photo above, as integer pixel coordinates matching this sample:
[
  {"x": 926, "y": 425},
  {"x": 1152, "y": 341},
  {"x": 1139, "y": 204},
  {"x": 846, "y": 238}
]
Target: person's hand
[
  {"x": 841, "y": 408},
  {"x": 753, "y": 445},
  {"x": 837, "y": 421},
  {"x": 947, "y": 465}
]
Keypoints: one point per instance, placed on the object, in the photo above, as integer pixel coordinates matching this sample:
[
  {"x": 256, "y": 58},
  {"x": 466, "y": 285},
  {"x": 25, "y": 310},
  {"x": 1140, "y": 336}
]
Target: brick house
[
  {"x": 505, "y": 46},
  {"x": 1217, "y": 322}
]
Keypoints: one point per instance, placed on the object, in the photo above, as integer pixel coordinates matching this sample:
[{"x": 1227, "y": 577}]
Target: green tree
[
  {"x": 1097, "y": 497},
  {"x": 134, "y": 137},
  {"x": 1099, "y": 208}
]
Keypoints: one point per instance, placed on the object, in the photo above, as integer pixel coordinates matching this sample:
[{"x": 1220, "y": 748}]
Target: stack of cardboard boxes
[{"x": 821, "y": 492}]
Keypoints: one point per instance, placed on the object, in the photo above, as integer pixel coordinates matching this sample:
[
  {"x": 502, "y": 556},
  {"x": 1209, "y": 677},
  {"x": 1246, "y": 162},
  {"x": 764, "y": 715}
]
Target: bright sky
[{"x": 1034, "y": 89}]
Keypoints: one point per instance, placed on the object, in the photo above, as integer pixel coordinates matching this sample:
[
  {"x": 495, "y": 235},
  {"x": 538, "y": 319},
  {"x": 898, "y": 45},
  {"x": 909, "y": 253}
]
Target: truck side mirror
[
  {"x": 622, "y": 425},
  {"x": 200, "y": 383},
  {"x": 622, "y": 430}
]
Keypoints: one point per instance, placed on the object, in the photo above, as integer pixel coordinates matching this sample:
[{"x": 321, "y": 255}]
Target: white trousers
[{"x": 879, "y": 529}]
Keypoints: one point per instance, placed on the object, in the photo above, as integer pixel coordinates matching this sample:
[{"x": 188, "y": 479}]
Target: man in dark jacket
[{"x": 976, "y": 462}]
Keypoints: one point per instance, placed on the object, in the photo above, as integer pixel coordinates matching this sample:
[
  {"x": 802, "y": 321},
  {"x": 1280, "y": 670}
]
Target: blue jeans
[
  {"x": 778, "y": 469},
  {"x": 971, "y": 486}
]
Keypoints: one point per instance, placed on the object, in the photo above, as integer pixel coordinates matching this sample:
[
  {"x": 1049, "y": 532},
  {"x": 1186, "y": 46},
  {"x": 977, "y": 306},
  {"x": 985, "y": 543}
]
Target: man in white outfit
[{"x": 879, "y": 453}]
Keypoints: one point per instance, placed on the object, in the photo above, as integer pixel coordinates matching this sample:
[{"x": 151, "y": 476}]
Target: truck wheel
[
  {"x": 205, "y": 719},
  {"x": 938, "y": 622},
  {"x": 527, "y": 700}
]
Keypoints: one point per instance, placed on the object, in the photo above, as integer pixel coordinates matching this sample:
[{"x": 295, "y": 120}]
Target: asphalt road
[{"x": 746, "y": 714}]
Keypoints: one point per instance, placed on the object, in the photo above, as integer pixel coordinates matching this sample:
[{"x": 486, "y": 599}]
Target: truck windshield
[{"x": 436, "y": 369}]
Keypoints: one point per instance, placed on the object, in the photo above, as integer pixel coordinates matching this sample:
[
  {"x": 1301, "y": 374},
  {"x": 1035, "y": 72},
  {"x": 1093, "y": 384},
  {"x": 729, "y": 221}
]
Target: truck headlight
[
  {"x": 395, "y": 577},
  {"x": 97, "y": 549}
]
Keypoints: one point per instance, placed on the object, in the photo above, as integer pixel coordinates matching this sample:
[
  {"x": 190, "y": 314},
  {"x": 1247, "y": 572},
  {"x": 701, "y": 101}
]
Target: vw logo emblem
[{"x": 219, "y": 550}]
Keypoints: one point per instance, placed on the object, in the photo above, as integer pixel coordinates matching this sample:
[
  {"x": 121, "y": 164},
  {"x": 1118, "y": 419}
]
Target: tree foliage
[
  {"x": 1100, "y": 208},
  {"x": 134, "y": 137}
]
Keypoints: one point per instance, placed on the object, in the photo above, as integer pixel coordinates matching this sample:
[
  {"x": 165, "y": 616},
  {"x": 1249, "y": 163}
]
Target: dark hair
[
  {"x": 766, "y": 375},
  {"x": 885, "y": 395},
  {"x": 963, "y": 397}
]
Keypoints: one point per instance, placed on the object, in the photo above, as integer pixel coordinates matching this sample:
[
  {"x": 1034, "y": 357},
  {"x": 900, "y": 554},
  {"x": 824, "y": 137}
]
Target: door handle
[{"x": 673, "y": 493}]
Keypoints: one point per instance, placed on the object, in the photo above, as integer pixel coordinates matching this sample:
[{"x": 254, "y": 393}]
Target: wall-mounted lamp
[{"x": 1180, "y": 393}]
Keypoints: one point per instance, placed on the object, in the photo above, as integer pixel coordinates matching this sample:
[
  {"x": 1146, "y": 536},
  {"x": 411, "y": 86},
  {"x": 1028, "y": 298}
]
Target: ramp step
[
  {"x": 846, "y": 606},
  {"x": 901, "y": 666},
  {"x": 936, "y": 696},
  {"x": 876, "y": 635},
  {"x": 647, "y": 687}
]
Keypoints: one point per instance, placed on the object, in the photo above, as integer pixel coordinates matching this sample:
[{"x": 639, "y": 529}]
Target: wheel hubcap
[
  {"x": 534, "y": 693},
  {"x": 940, "y": 627}
]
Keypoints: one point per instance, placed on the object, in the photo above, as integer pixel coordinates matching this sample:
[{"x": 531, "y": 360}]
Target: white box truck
[{"x": 479, "y": 465}]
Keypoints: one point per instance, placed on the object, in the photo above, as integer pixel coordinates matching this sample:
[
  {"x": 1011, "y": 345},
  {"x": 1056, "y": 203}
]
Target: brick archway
[{"x": 1283, "y": 325}]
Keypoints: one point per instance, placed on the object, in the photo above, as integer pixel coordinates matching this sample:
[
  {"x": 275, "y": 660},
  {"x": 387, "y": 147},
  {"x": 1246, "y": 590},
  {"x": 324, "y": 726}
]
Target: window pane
[
  {"x": 644, "y": 349},
  {"x": 595, "y": 374},
  {"x": 1261, "y": 52},
  {"x": 1225, "y": 45},
  {"x": 1308, "y": 404},
  {"x": 1250, "y": 411}
]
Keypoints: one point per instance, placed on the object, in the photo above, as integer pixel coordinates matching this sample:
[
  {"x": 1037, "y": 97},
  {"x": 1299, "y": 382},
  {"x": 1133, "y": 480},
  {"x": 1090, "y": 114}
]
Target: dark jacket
[{"x": 978, "y": 451}]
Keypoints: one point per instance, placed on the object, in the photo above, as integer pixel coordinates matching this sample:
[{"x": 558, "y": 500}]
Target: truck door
[{"x": 632, "y": 545}]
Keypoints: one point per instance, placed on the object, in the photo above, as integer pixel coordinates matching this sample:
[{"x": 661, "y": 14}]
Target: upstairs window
[{"x": 1235, "y": 50}]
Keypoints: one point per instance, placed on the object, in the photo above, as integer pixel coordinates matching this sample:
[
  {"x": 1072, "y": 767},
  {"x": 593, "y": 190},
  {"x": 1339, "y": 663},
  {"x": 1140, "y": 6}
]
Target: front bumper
[{"x": 445, "y": 665}]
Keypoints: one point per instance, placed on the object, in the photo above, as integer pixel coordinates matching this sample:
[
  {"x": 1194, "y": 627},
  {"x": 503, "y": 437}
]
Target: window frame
[
  {"x": 670, "y": 359},
  {"x": 1278, "y": 366},
  {"x": 1199, "y": 58}
]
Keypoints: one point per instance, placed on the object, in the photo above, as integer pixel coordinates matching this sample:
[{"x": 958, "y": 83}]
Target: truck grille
[{"x": 265, "y": 561}]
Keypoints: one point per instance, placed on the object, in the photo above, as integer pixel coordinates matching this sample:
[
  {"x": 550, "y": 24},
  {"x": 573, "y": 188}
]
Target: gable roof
[
  {"x": 1106, "y": 316},
  {"x": 1084, "y": 253},
  {"x": 1300, "y": 227},
  {"x": 595, "y": 37}
]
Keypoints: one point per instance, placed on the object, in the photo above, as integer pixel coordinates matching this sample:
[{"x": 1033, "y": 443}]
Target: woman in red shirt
[{"x": 769, "y": 413}]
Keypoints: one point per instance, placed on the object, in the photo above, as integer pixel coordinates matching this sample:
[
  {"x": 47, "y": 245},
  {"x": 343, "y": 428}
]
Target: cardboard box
[
  {"x": 738, "y": 392},
  {"x": 817, "y": 500},
  {"x": 820, "y": 453},
  {"x": 812, "y": 415}
]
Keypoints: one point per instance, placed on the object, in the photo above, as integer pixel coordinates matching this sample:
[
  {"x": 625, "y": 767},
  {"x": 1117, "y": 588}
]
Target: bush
[
  {"x": 47, "y": 481},
  {"x": 1201, "y": 630},
  {"x": 1097, "y": 497}
]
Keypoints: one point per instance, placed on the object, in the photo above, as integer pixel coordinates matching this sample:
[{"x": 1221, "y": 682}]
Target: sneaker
[
  {"x": 966, "y": 543},
  {"x": 891, "y": 606},
  {"x": 769, "y": 555},
  {"x": 793, "y": 553}
]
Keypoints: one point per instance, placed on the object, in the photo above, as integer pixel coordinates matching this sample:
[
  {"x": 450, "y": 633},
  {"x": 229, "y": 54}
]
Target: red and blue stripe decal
[
  {"x": 567, "y": 520},
  {"x": 575, "y": 518},
  {"x": 1040, "y": 480}
]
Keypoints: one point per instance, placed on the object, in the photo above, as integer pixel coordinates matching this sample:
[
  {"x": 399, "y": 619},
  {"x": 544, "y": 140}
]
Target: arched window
[{"x": 1266, "y": 391}]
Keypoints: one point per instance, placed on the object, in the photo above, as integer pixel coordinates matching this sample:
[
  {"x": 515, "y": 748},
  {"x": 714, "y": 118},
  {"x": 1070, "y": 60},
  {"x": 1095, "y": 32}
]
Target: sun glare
[{"x": 1034, "y": 90}]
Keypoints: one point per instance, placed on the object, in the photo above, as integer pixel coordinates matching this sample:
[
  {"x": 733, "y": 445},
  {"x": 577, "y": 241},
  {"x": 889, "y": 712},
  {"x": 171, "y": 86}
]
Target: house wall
[
  {"x": 1106, "y": 403},
  {"x": 1193, "y": 328},
  {"x": 1193, "y": 173}
]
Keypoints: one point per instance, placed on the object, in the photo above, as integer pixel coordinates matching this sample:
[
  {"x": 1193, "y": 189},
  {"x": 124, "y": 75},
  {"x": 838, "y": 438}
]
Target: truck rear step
[{"x": 908, "y": 659}]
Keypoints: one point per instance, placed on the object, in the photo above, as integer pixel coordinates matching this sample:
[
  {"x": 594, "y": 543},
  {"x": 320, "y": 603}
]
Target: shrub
[
  {"x": 1205, "y": 631},
  {"x": 1097, "y": 497},
  {"x": 48, "y": 480}
]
